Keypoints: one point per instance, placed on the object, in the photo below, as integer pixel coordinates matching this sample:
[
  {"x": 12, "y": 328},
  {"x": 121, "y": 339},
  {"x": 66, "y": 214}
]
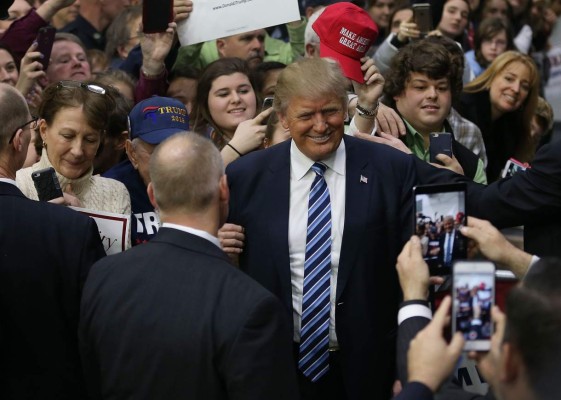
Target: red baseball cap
[{"x": 346, "y": 32}]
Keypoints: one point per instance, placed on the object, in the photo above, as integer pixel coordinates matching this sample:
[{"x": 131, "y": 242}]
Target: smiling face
[
  {"x": 425, "y": 103},
  {"x": 71, "y": 142},
  {"x": 454, "y": 18},
  {"x": 231, "y": 100},
  {"x": 68, "y": 62},
  {"x": 509, "y": 89},
  {"x": 315, "y": 124}
]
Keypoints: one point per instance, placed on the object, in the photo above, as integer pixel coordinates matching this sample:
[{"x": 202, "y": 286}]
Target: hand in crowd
[
  {"x": 450, "y": 163},
  {"x": 155, "y": 48},
  {"x": 431, "y": 359},
  {"x": 390, "y": 122},
  {"x": 249, "y": 134},
  {"x": 33, "y": 98},
  {"x": 413, "y": 271},
  {"x": 232, "y": 238},
  {"x": 68, "y": 199},
  {"x": 31, "y": 69},
  {"x": 488, "y": 362},
  {"x": 181, "y": 10},
  {"x": 387, "y": 139},
  {"x": 370, "y": 91},
  {"x": 51, "y": 7},
  {"x": 496, "y": 247},
  {"x": 408, "y": 30}
]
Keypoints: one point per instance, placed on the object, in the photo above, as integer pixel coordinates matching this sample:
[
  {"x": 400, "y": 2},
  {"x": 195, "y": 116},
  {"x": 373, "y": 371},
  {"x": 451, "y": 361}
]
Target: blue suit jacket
[{"x": 378, "y": 220}]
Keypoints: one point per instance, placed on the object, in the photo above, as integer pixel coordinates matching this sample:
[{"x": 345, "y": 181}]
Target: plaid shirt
[{"x": 468, "y": 134}]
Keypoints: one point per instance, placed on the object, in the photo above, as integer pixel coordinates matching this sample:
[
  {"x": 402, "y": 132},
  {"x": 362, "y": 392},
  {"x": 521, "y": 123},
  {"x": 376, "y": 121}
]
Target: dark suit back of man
[
  {"x": 46, "y": 251},
  {"x": 174, "y": 319}
]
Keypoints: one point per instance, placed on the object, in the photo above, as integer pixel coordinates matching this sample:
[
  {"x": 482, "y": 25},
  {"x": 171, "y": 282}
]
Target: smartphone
[
  {"x": 423, "y": 17},
  {"x": 156, "y": 15},
  {"x": 45, "y": 39},
  {"x": 473, "y": 292},
  {"x": 440, "y": 143},
  {"x": 46, "y": 184},
  {"x": 267, "y": 103},
  {"x": 513, "y": 166},
  {"x": 440, "y": 212}
]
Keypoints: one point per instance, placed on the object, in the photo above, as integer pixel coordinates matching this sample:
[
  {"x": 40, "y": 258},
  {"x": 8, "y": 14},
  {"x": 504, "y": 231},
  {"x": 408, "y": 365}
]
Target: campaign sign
[{"x": 113, "y": 229}]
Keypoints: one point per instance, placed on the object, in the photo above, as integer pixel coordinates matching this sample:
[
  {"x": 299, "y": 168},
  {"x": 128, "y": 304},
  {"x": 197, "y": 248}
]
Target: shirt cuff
[{"x": 414, "y": 309}]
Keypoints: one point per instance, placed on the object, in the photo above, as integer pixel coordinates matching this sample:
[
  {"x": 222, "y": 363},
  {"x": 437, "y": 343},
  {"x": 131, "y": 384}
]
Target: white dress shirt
[
  {"x": 197, "y": 232},
  {"x": 301, "y": 178}
]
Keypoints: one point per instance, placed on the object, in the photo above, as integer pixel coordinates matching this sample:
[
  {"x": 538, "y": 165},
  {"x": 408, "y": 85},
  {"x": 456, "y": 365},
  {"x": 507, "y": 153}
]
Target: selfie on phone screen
[
  {"x": 474, "y": 293},
  {"x": 440, "y": 213}
]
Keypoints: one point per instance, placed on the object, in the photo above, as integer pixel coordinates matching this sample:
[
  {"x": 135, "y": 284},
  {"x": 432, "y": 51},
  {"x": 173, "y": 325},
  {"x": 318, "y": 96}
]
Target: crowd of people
[{"x": 268, "y": 177}]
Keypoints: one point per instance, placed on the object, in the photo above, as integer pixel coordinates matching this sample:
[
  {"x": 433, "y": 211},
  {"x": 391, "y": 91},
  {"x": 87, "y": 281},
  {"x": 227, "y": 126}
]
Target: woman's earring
[{"x": 44, "y": 145}]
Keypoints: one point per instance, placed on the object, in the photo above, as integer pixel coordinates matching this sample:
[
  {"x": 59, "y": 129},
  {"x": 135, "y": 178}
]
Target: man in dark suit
[
  {"x": 369, "y": 187},
  {"x": 174, "y": 318},
  {"x": 451, "y": 244},
  {"x": 46, "y": 251}
]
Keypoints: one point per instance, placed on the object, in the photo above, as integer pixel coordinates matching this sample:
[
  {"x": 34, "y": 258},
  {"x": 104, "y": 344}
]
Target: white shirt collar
[
  {"x": 8, "y": 180},
  {"x": 193, "y": 231},
  {"x": 300, "y": 164}
]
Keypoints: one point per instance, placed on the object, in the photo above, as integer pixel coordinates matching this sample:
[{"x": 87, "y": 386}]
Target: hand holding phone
[
  {"x": 45, "y": 40},
  {"x": 47, "y": 184},
  {"x": 473, "y": 294},
  {"x": 440, "y": 143},
  {"x": 267, "y": 103},
  {"x": 423, "y": 17}
]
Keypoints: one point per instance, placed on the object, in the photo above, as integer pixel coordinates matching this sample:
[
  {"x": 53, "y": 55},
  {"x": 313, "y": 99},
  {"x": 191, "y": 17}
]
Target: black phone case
[
  {"x": 423, "y": 18},
  {"x": 46, "y": 183},
  {"x": 156, "y": 15},
  {"x": 45, "y": 40},
  {"x": 440, "y": 143}
]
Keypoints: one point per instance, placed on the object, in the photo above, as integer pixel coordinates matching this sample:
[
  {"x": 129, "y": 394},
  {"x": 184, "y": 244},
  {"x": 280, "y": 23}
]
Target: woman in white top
[{"x": 73, "y": 116}]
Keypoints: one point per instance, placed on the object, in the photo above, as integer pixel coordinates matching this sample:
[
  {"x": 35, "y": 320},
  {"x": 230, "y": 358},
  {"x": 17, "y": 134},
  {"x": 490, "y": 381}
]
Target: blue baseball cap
[{"x": 155, "y": 119}]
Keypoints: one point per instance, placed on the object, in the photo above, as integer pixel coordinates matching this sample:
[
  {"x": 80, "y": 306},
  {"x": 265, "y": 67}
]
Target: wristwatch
[{"x": 363, "y": 112}]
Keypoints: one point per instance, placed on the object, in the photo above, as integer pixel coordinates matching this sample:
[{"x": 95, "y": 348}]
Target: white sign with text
[
  {"x": 213, "y": 19},
  {"x": 113, "y": 229}
]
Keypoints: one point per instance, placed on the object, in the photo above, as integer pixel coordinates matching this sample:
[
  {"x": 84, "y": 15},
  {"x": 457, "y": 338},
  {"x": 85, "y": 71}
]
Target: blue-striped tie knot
[{"x": 319, "y": 168}]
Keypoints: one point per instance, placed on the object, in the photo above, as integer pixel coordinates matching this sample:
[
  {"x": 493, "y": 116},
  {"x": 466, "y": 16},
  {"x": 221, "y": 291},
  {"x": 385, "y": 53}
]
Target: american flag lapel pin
[{"x": 363, "y": 179}]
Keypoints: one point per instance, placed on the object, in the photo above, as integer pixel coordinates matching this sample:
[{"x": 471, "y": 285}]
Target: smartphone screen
[
  {"x": 473, "y": 298},
  {"x": 513, "y": 166},
  {"x": 45, "y": 40},
  {"x": 439, "y": 143},
  {"x": 440, "y": 212},
  {"x": 156, "y": 15},
  {"x": 422, "y": 17}
]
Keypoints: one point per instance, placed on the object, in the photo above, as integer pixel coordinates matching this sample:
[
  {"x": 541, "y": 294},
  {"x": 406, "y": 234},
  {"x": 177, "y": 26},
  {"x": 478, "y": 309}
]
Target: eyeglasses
[
  {"x": 32, "y": 125},
  {"x": 76, "y": 84}
]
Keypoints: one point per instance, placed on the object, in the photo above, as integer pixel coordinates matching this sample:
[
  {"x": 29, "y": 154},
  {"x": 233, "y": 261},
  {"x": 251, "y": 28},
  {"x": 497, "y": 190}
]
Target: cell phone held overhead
[
  {"x": 156, "y": 15},
  {"x": 422, "y": 16},
  {"x": 473, "y": 294}
]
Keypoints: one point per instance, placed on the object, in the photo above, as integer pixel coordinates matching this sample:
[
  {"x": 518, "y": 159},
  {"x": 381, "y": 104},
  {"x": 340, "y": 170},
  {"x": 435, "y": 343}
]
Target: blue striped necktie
[{"x": 314, "y": 333}]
